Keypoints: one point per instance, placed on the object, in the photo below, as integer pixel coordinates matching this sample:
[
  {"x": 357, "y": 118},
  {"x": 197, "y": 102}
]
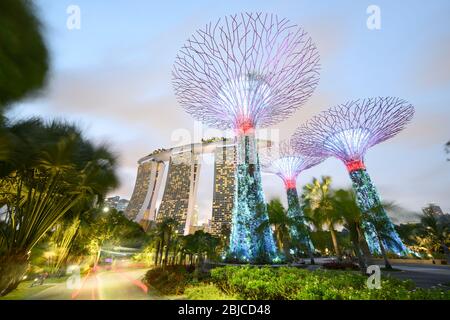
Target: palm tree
[
  {"x": 189, "y": 247},
  {"x": 199, "y": 246},
  {"x": 62, "y": 239},
  {"x": 318, "y": 207},
  {"x": 436, "y": 233},
  {"x": 280, "y": 221},
  {"x": 165, "y": 231},
  {"x": 50, "y": 168},
  {"x": 346, "y": 205}
]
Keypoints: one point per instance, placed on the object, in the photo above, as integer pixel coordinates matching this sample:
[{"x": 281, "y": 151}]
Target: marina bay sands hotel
[{"x": 179, "y": 197}]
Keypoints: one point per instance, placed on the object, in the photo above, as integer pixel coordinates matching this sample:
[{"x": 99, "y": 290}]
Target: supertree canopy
[
  {"x": 283, "y": 161},
  {"x": 242, "y": 72},
  {"x": 346, "y": 132}
]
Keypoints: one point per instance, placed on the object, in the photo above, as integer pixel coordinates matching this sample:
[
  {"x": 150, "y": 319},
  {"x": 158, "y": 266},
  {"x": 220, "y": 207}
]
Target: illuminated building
[
  {"x": 223, "y": 195},
  {"x": 181, "y": 188},
  {"x": 142, "y": 205}
]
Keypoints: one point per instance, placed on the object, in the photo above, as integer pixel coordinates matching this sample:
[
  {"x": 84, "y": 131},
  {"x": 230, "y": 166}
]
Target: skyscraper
[
  {"x": 142, "y": 206},
  {"x": 224, "y": 185},
  {"x": 181, "y": 188}
]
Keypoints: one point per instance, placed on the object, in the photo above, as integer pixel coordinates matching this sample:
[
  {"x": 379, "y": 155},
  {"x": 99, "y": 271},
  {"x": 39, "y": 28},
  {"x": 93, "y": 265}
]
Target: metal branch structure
[
  {"x": 282, "y": 160},
  {"x": 242, "y": 72},
  {"x": 246, "y": 70},
  {"x": 346, "y": 132}
]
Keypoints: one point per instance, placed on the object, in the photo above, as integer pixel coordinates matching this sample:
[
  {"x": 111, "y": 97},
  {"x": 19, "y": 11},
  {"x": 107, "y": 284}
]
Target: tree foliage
[
  {"x": 23, "y": 53},
  {"x": 50, "y": 168}
]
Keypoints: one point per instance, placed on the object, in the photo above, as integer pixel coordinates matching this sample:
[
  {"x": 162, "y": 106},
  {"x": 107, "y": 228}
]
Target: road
[
  {"x": 118, "y": 283},
  {"x": 425, "y": 276}
]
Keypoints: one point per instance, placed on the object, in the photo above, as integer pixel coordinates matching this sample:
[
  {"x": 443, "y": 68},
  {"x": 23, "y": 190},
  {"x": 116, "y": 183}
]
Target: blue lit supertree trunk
[
  {"x": 299, "y": 232},
  {"x": 248, "y": 241},
  {"x": 346, "y": 132},
  {"x": 375, "y": 219}
]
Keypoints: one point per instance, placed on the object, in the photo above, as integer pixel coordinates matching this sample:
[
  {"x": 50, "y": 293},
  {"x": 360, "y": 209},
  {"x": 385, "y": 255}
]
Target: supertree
[
  {"x": 346, "y": 132},
  {"x": 242, "y": 72},
  {"x": 283, "y": 161}
]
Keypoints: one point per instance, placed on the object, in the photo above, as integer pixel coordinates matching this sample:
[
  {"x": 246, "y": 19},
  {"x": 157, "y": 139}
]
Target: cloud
[
  {"x": 425, "y": 130},
  {"x": 433, "y": 69}
]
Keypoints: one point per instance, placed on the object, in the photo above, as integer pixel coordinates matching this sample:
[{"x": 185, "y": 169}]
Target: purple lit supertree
[
  {"x": 346, "y": 132},
  {"x": 243, "y": 72},
  {"x": 282, "y": 160}
]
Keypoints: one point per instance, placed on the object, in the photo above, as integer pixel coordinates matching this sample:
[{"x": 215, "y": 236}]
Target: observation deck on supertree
[
  {"x": 346, "y": 132},
  {"x": 244, "y": 72},
  {"x": 282, "y": 160}
]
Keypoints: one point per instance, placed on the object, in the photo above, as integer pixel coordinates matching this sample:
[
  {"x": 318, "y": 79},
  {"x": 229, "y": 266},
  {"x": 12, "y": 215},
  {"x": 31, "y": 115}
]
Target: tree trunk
[
  {"x": 158, "y": 247},
  {"x": 387, "y": 264},
  {"x": 354, "y": 236},
  {"x": 335, "y": 243},
  {"x": 12, "y": 270},
  {"x": 363, "y": 245},
  {"x": 446, "y": 252},
  {"x": 279, "y": 241},
  {"x": 166, "y": 257},
  {"x": 161, "y": 252},
  {"x": 310, "y": 252},
  {"x": 286, "y": 248},
  {"x": 361, "y": 261}
]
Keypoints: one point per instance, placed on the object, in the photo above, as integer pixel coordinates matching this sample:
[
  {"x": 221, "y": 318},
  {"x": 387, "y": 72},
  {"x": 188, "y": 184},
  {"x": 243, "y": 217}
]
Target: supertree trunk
[
  {"x": 368, "y": 199},
  {"x": 299, "y": 233},
  {"x": 249, "y": 242}
]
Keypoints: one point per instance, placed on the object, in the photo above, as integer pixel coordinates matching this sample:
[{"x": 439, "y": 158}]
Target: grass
[{"x": 24, "y": 291}]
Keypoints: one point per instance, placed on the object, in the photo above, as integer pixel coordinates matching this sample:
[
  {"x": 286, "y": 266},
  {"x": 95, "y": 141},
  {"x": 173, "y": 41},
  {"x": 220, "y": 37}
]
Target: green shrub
[
  {"x": 172, "y": 280},
  {"x": 206, "y": 292},
  {"x": 292, "y": 284},
  {"x": 167, "y": 281}
]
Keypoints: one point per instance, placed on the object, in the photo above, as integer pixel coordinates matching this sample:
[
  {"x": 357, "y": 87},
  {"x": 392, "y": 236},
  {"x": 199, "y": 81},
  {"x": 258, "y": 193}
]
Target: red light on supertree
[{"x": 355, "y": 165}]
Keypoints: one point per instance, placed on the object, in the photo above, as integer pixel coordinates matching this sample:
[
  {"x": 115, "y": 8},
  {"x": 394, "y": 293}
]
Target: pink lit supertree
[
  {"x": 244, "y": 72},
  {"x": 283, "y": 161},
  {"x": 346, "y": 132}
]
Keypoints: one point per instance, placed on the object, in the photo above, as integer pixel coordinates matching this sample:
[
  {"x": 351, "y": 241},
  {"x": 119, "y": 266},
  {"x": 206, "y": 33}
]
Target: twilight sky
[{"x": 113, "y": 78}]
